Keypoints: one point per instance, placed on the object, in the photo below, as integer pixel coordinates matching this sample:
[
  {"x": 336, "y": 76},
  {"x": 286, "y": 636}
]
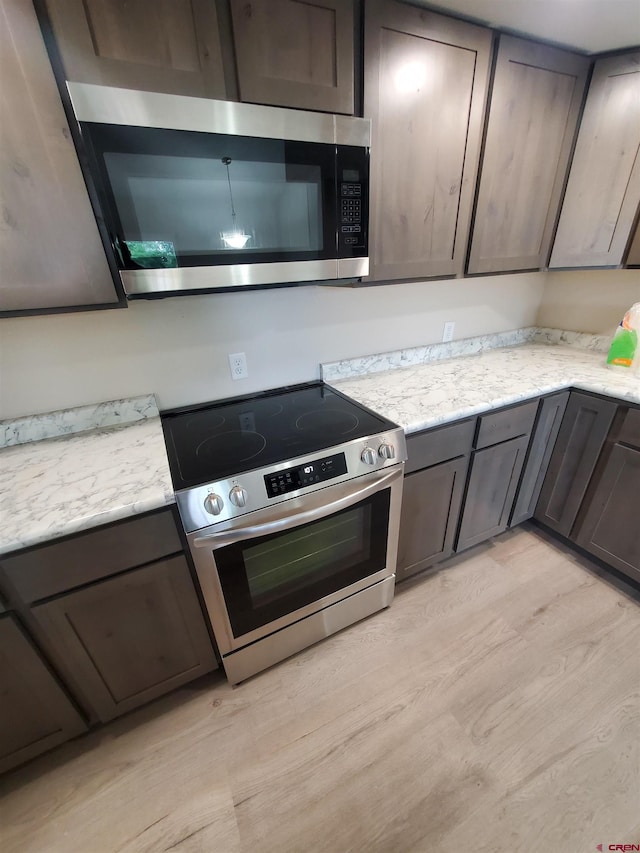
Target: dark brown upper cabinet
[
  {"x": 153, "y": 45},
  {"x": 425, "y": 88},
  {"x": 533, "y": 115},
  {"x": 603, "y": 192},
  {"x": 51, "y": 255},
  {"x": 295, "y": 54}
]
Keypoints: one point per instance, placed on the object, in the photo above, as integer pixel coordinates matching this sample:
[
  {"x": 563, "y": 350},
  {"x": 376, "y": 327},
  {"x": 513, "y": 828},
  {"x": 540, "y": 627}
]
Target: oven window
[
  {"x": 180, "y": 198},
  {"x": 264, "y": 579}
]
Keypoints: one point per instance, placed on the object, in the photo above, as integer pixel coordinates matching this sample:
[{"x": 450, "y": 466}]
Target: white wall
[
  {"x": 588, "y": 301},
  {"x": 177, "y": 348}
]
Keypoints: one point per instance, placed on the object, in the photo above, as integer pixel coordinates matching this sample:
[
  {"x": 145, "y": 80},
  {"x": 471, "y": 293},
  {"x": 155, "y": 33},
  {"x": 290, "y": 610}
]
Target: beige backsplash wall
[
  {"x": 177, "y": 348},
  {"x": 588, "y": 301}
]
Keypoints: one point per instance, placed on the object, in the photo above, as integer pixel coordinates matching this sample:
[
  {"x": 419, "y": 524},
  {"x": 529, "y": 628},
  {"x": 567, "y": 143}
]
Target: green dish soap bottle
[{"x": 624, "y": 346}]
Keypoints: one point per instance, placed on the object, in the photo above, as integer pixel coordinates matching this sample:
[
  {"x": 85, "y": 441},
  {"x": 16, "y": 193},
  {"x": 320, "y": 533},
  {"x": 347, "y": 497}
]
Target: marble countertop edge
[
  {"x": 511, "y": 399},
  {"x": 47, "y": 535},
  {"x": 78, "y": 420},
  {"x": 424, "y": 396},
  {"x": 57, "y": 486}
]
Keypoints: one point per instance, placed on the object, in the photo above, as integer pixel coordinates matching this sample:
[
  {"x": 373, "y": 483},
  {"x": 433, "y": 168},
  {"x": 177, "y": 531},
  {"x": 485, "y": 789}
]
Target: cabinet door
[
  {"x": 582, "y": 434},
  {"x": 131, "y": 638},
  {"x": 633, "y": 255},
  {"x": 493, "y": 480},
  {"x": 538, "y": 457},
  {"x": 430, "y": 509},
  {"x": 533, "y": 115},
  {"x": 603, "y": 192},
  {"x": 610, "y": 527},
  {"x": 51, "y": 255},
  {"x": 425, "y": 87},
  {"x": 35, "y": 715},
  {"x": 295, "y": 54},
  {"x": 154, "y": 45}
]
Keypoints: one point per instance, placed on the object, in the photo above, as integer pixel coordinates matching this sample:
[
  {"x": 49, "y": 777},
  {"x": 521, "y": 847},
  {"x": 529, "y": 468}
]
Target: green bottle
[{"x": 624, "y": 345}]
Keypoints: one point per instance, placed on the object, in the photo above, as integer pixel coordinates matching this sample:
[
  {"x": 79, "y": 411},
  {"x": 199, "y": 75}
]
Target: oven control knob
[
  {"x": 238, "y": 496},
  {"x": 386, "y": 451},
  {"x": 213, "y": 504},
  {"x": 369, "y": 456}
]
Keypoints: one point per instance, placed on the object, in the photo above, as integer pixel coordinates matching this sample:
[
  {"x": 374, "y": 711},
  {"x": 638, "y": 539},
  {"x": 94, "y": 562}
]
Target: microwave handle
[{"x": 350, "y": 495}]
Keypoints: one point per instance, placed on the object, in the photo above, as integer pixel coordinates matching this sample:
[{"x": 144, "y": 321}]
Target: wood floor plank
[
  {"x": 346, "y": 775},
  {"x": 495, "y": 706}
]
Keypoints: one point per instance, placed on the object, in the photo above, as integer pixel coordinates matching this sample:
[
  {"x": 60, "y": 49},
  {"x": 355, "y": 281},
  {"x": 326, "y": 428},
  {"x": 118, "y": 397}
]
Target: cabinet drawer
[
  {"x": 439, "y": 445},
  {"x": 52, "y": 569},
  {"x": 509, "y": 423},
  {"x": 630, "y": 431}
]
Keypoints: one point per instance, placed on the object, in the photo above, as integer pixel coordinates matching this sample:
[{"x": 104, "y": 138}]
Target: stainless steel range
[{"x": 291, "y": 504}]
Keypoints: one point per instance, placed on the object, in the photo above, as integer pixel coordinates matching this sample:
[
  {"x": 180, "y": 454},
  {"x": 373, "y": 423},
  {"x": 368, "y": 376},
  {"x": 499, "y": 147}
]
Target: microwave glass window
[
  {"x": 198, "y": 207},
  {"x": 182, "y": 198}
]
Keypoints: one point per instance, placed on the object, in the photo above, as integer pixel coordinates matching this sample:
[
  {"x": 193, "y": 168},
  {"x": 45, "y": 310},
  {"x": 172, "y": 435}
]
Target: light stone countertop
[
  {"x": 57, "y": 486},
  {"x": 117, "y": 467},
  {"x": 426, "y": 395}
]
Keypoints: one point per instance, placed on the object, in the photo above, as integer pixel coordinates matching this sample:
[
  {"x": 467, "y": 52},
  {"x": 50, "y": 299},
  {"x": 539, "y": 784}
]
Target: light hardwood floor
[{"x": 494, "y": 707}]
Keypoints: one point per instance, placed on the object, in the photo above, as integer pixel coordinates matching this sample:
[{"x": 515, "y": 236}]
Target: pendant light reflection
[{"x": 234, "y": 239}]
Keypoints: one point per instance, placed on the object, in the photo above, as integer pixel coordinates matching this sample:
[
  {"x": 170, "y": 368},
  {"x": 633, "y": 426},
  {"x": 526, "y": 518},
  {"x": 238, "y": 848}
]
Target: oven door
[{"x": 276, "y": 566}]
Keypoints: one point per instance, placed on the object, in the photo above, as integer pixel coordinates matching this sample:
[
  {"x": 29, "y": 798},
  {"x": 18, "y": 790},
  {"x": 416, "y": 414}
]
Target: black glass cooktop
[{"x": 215, "y": 441}]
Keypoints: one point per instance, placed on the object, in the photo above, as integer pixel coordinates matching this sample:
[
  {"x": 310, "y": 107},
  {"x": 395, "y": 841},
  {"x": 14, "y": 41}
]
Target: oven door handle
[{"x": 352, "y": 495}]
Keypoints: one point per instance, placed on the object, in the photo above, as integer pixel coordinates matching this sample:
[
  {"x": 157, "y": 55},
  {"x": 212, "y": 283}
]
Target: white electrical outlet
[
  {"x": 447, "y": 332},
  {"x": 238, "y": 365}
]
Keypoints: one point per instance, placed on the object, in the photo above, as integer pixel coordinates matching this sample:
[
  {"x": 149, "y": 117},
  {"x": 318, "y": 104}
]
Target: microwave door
[{"x": 208, "y": 210}]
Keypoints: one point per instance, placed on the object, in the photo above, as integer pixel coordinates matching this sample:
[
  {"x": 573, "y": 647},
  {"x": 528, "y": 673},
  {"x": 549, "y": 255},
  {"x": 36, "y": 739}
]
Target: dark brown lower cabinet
[
  {"x": 35, "y": 714},
  {"x": 431, "y": 502},
  {"x": 495, "y": 472},
  {"x": 435, "y": 474},
  {"x": 609, "y": 529},
  {"x": 583, "y": 431},
  {"x": 539, "y": 455},
  {"x": 132, "y": 637}
]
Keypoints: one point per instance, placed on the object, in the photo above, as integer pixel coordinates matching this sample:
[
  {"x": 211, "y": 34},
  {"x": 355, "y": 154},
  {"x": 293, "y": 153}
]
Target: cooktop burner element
[
  {"x": 216, "y": 441},
  {"x": 240, "y": 446},
  {"x": 331, "y": 421}
]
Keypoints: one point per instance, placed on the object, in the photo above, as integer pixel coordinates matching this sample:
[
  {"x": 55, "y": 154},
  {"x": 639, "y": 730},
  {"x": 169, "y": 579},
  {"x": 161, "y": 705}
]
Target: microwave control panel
[
  {"x": 350, "y": 212},
  {"x": 353, "y": 203}
]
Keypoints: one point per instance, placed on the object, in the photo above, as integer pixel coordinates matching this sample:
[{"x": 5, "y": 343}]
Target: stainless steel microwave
[{"x": 200, "y": 195}]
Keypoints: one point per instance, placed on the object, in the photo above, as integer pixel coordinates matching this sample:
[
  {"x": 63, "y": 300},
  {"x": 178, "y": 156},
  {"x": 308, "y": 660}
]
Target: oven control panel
[
  {"x": 226, "y": 502},
  {"x": 291, "y": 479}
]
